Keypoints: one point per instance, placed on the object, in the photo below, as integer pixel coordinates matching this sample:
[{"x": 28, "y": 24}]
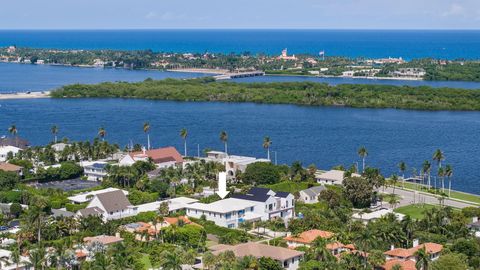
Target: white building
[
  {"x": 109, "y": 205},
  {"x": 332, "y": 177},
  {"x": 95, "y": 171},
  {"x": 4, "y": 150},
  {"x": 88, "y": 196},
  {"x": 162, "y": 157},
  {"x": 270, "y": 204},
  {"x": 367, "y": 217},
  {"x": 6, "y": 262},
  {"x": 232, "y": 163},
  {"x": 59, "y": 147},
  {"x": 310, "y": 195},
  {"x": 226, "y": 213},
  {"x": 174, "y": 205}
]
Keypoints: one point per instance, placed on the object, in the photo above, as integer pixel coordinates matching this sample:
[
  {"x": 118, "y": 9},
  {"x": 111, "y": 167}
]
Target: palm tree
[
  {"x": 102, "y": 133},
  {"x": 423, "y": 259},
  {"x": 394, "y": 182},
  {"x": 438, "y": 156},
  {"x": 13, "y": 131},
  {"x": 363, "y": 153},
  {"x": 266, "y": 144},
  {"x": 146, "y": 129},
  {"x": 224, "y": 139},
  {"x": 402, "y": 166},
  {"x": 320, "y": 250},
  {"x": 54, "y": 130},
  {"x": 171, "y": 261},
  {"x": 393, "y": 201},
  {"x": 184, "y": 134},
  {"x": 449, "y": 174},
  {"x": 426, "y": 167},
  {"x": 441, "y": 174}
]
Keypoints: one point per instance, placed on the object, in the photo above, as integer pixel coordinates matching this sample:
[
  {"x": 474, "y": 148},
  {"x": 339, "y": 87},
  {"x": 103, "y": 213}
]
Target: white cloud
[{"x": 455, "y": 10}]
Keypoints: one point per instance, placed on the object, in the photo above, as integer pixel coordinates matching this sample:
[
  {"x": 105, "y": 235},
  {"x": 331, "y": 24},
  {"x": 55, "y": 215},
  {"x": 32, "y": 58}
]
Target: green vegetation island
[
  {"x": 281, "y": 64},
  {"x": 298, "y": 93}
]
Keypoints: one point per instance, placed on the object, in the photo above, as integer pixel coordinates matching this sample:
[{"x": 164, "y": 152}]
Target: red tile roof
[
  {"x": 406, "y": 265},
  {"x": 161, "y": 155},
  {"x": 9, "y": 167},
  {"x": 308, "y": 237},
  {"x": 431, "y": 248}
]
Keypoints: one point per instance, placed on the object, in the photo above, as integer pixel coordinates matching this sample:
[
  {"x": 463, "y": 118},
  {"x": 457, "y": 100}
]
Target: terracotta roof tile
[
  {"x": 160, "y": 155},
  {"x": 308, "y": 237},
  {"x": 406, "y": 265}
]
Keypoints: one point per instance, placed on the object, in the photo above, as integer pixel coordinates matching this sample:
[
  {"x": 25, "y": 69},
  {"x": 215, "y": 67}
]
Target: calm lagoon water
[{"x": 321, "y": 135}]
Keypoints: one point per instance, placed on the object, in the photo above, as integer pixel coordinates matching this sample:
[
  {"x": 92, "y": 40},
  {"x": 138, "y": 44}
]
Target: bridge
[{"x": 234, "y": 75}]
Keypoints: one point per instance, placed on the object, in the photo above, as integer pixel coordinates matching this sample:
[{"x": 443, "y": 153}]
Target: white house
[
  {"x": 232, "y": 163},
  {"x": 4, "y": 150},
  {"x": 332, "y": 177},
  {"x": 6, "y": 262},
  {"x": 270, "y": 204},
  {"x": 162, "y": 157},
  {"x": 374, "y": 215},
  {"x": 174, "y": 205},
  {"x": 59, "y": 147},
  {"x": 88, "y": 196},
  {"x": 109, "y": 205},
  {"x": 310, "y": 195},
  {"x": 95, "y": 171},
  {"x": 226, "y": 213}
]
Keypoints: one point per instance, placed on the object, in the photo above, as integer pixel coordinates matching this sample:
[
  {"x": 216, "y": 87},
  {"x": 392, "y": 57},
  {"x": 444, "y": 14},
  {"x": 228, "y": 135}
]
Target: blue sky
[{"x": 331, "y": 14}]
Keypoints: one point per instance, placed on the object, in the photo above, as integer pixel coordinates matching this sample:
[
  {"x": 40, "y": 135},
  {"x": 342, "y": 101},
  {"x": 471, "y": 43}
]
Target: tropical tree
[
  {"x": 266, "y": 144},
  {"x": 54, "y": 129},
  {"x": 393, "y": 201},
  {"x": 184, "y": 134},
  {"x": 441, "y": 174},
  {"x": 402, "y": 166},
  {"x": 394, "y": 180},
  {"x": 363, "y": 153},
  {"x": 171, "y": 261},
  {"x": 423, "y": 259},
  {"x": 146, "y": 130},
  {"x": 438, "y": 156},
  {"x": 102, "y": 133},
  {"x": 224, "y": 139},
  {"x": 320, "y": 250},
  {"x": 426, "y": 168},
  {"x": 13, "y": 131},
  {"x": 449, "y": 174}
]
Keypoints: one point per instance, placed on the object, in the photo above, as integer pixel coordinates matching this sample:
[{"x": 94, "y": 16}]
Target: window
[
  {"x": 287, "y": 203},
  {"x": 285, "y": 264},
  {"x": 270, "y": 207},
  {"x": 251, "y": 208},
  {"x": 228, "y": 216}
]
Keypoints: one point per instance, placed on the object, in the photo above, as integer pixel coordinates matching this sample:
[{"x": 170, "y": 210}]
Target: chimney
[
  {"x": 415, "y": 242},
  {"x": 117, "y": 234},
  {"x": 474, "y": 219},
  {"x": 392, "y": 247}
]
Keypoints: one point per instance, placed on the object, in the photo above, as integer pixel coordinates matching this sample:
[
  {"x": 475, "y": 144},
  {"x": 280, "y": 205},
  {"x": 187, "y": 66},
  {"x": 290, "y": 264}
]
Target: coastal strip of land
[
  {"x": 298, "y": 93},
  {"x": 25, "y": 95}
]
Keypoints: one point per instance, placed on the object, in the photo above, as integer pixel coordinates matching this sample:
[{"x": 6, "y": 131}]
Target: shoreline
[
  {"x": 25, "y": 95},
  {"x": 354, "y": 78}
]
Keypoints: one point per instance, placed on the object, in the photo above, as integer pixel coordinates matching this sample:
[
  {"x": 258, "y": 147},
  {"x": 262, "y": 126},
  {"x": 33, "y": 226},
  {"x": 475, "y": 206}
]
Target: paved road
[{"x": 410, "y": 197}]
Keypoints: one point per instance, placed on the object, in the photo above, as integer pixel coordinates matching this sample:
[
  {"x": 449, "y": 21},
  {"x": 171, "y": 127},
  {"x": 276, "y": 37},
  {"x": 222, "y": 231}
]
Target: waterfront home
[
  {"x": 332, "y": 177},
  {"x": 228, "y": 213},
  {"x": 285, "y": 56},
  {"x": 95, "y": 171},
  {"x": 88, "y": 196},
  {"x": 7, "y": 167},
  {"x": 14, "y": 141},
  {"x": 109, "y": 205},
  {"x": 432, "y": 249},
  {"x": 6, "y": 261},
  {"x": 141, "y": 229},
  {"x": 310, "y": 195},
  {"x": 162, "y": 157},
  {"x": 474, "y": 226},
  {"x": 404, "y": 265},
  {"x": 270, "y": 204},
  {"x": 59, "y": 147},
  {"x": 232, "y": 163},
  {"x": 306, "y": 238},
  {"x": 289, "y": 259},
  {"x": 374, "y": 215},
  {"x": 6, "y": 149}
]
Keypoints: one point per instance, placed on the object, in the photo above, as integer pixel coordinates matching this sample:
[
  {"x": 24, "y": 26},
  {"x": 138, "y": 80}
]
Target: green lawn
[
  {"x": 415, "y": 211},
  {"x": 454, "y": 195}
]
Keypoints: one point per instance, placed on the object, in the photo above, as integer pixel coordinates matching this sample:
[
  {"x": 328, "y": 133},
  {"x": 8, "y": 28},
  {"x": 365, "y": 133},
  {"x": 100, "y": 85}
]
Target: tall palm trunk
[
  {"x": 268, "y": 153},
  {"x": 148, "y": 141},
  {"x": 449, "y": 186},
  {"x": 226, "y": 148},
  {"x": 185, "y": 146}
]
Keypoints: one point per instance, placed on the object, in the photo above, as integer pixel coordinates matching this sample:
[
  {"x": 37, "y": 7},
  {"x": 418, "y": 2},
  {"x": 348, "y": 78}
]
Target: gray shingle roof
[
  {"x": 91, "y": 211},
  {"x": 314, "y": 191},
  {"x": 114, "y": 201}
]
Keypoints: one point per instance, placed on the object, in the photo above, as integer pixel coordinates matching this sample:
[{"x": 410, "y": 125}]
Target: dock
[{"x": 234, "y": 75}]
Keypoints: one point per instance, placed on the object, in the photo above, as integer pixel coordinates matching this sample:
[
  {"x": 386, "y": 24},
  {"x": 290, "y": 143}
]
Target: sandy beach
[{"x": 25, "y": 95}]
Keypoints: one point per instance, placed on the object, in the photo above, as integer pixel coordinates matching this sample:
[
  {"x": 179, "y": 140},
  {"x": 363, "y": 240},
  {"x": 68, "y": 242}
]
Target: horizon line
[{"x": 238, "y": 28}]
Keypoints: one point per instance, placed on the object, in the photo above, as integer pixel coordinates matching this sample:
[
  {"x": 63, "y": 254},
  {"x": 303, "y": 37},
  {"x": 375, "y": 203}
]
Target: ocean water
[
  {"x": 445, "y": 44},
  {"x": 324, "y": 136}
]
